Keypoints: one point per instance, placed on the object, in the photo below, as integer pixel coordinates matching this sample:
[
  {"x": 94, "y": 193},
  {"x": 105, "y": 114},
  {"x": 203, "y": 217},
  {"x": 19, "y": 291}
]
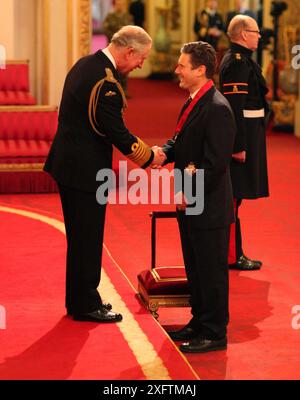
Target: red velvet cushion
[
  {"x": 24, "y": 148},
  {"x": 28, "y": 125},
  {"x": 165, "y": 281},
  {"x": 9, "y": 97},
  {"x": 15, "y": 77}
]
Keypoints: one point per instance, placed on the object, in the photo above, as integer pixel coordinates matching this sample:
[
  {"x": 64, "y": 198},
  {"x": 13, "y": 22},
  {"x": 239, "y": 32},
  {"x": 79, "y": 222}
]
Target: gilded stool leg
[{"x": 153, "y": 307}]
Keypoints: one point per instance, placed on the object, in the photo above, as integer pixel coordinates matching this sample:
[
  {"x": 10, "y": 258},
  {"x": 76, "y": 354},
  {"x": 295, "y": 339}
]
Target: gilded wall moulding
[
  {"x": 84, "y": 27},
  {"x": 289, "y": 29},
  {"x": 45, "y": 51}
]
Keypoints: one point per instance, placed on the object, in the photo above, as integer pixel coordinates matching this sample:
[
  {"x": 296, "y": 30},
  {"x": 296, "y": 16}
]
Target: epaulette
[
  {"x": 94, "y": 98},
  {"x": 235, "y": 58}
]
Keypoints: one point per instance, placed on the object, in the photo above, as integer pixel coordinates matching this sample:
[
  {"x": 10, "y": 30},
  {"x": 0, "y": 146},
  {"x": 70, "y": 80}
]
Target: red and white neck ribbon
[{"x": 186, "y": 113}]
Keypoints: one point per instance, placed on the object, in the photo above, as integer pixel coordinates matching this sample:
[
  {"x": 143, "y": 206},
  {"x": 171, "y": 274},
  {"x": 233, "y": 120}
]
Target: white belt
[{"x": 254, "y": 113}]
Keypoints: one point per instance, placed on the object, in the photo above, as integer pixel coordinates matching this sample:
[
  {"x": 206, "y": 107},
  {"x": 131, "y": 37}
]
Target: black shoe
[
  {"x": 245, "y": 264},
  {"x": 108, "y": 306},
  {"x": 100, "y": 315},
  {"x": 254, "y": 261},
  {"x": 185, "y": 333},
  {"x": 203, "y": 345}
]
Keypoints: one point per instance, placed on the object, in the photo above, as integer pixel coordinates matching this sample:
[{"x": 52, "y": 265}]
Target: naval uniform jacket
[
  {"x": 90, "y": 123},
  {"x": 242, "y": 83},
  {"x": 206, "y": 139}
]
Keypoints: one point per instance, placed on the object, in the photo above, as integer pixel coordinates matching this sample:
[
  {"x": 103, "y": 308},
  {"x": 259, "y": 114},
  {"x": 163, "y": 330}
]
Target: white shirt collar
[
  {"x": 194, "y": 94},
  {"x": 109, "y": 56}
]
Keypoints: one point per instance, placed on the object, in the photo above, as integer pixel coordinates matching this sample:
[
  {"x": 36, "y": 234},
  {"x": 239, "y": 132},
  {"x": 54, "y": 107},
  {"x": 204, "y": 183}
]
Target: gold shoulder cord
[{"x": 94, "y": 97}]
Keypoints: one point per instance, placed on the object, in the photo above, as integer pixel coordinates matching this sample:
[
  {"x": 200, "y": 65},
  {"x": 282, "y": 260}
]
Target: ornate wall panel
[
  {"x": 45, "y": 50},
  {"x": 289, "y": 29},
  {"x": 84, "y": 27}
]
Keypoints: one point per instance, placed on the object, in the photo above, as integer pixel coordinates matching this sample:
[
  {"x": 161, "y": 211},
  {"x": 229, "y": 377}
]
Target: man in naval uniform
[
  {"x": 90, "y": 124},
  {"x": 242, "y": 83}
]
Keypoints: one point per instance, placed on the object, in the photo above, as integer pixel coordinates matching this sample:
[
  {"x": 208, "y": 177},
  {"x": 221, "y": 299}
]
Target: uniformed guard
[
  {"x": 90, "y": 124},
  {"x": 242, "y": 83}
]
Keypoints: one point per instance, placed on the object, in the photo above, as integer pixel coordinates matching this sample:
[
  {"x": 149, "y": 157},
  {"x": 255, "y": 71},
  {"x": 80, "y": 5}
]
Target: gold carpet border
[
  {"x": 29, "y": 108},
  {"x": 148, "y": 359},
  {"x": 145, "y": 354},
  {"x": 161, "y": 328}
]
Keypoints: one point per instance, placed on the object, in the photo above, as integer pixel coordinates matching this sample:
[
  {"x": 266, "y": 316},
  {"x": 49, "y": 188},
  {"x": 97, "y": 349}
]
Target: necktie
[{"x": 185, "y": 106}]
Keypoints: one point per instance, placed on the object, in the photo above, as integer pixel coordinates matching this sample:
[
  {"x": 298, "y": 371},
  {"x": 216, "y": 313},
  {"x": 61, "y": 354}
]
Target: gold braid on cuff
[
  {"x": 141, "y": 153},
  {"x": 94, "y": 98}
]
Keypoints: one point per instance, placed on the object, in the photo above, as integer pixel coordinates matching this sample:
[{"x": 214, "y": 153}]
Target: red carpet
[
  {"x": 262, "y": 342},
  {"x": 40, "y": 343}
]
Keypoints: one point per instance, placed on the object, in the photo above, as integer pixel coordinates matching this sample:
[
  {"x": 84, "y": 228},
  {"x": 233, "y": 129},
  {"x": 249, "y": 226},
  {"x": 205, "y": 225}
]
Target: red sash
[{"x": 186, "y": 113}]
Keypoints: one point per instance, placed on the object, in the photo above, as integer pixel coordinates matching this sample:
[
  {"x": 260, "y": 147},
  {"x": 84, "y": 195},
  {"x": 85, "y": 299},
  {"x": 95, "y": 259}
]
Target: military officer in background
[
  {"x": 208, "y": 24},
  {"x": 117, "y": 18},
  {"x": 113, "y": 22},
  {"x": 240, "y": 8},
  {"x": 242, "y": 83},
  {"x": 90, "y": 124}
]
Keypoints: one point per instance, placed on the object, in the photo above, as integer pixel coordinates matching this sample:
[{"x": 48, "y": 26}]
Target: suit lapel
[{"x": 196, "y": 110}]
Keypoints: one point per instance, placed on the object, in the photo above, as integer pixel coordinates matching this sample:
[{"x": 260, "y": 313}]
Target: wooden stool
[{"x": 162, "y": 286}]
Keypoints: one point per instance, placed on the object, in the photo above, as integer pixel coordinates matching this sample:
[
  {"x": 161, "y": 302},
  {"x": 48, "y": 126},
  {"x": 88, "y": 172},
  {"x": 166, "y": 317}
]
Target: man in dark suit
[
  {"x": 90, "y": 124},
  {"x": 242, "y": 83},
  {"x": 204, "y": 140}
]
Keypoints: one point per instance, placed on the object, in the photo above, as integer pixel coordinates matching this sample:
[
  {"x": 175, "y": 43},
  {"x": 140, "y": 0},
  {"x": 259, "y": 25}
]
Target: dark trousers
[
  {"x": 235, "y": 242},
  {"x": 205, "y": 257},
  {"x": 238, "y": 232},
  {"x": 84, "y": 222}
]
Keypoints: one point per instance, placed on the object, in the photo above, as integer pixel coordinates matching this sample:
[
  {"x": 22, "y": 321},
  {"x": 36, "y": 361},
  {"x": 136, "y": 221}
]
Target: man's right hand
[
  {"x": 159, "y": 157},
  {"x": 239, "y": 157}
]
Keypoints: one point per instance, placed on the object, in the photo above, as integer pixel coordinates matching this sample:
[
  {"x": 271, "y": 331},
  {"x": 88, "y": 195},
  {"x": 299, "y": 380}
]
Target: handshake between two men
[{"x": 159, "y": 157}]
